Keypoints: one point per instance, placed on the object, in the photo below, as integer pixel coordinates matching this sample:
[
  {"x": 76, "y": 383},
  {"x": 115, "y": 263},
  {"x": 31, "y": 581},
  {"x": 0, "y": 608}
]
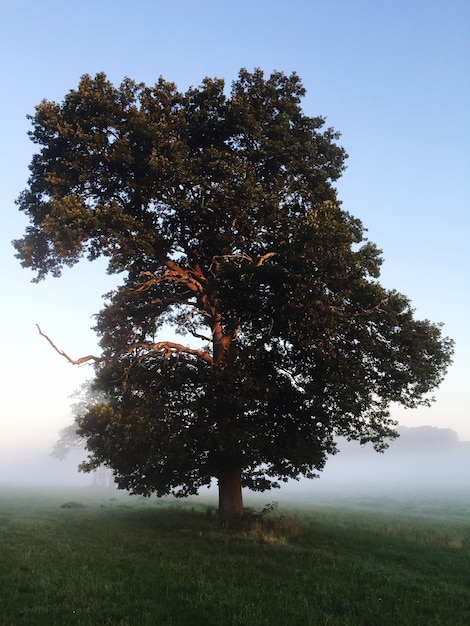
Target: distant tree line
[{"x": 426, "y": 436}]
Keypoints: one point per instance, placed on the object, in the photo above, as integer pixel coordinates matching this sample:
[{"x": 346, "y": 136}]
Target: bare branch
[
  {"x": 167, "y": 349},
  {"x": 240, "y": 257},
  {"x": 177, "y": 274},
  {"x": 197, "y": 335},
  {"x": 164, "y": 349},
  {"x": 191, "y": 278},
  {"x": 377, "y": 308},
  {"x": 79, "y": 361},
  {"x": 265, "y": 257}
]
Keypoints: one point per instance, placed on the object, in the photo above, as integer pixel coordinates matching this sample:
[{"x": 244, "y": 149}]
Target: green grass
[{"x": 124, "y": 561}]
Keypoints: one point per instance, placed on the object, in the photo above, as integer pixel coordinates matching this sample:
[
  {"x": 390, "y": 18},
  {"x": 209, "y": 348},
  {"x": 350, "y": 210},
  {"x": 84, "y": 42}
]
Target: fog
[
  {"x": 42, "y": 470},
  {"x": 426, "y": 461},
  {"x": 402, "y": 471}
]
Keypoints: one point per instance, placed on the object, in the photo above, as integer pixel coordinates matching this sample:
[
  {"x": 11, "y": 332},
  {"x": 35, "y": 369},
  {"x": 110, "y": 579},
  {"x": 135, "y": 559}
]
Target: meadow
[{"x": 74, "y": 557}]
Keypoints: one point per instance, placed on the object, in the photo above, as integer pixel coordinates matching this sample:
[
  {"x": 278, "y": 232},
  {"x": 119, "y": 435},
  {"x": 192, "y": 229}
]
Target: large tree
[{"x": 220, "y": 214}]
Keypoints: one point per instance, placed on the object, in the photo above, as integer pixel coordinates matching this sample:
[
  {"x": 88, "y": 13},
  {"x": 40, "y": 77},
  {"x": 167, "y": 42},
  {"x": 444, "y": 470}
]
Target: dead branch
[
  {"x": 80, "y": 361},
  {"x": 164, "y": 349}
]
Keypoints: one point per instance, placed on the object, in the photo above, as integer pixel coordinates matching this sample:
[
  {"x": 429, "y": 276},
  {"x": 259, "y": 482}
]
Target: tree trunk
[{"x": 230, "y": 495}]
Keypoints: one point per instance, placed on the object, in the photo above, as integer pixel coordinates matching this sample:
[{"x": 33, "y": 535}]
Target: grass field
[{"x": 69, "y": 558}]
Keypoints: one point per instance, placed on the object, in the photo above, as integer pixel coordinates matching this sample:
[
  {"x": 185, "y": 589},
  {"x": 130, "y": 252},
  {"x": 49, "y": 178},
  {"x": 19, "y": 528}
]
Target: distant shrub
[{"x": 72, "y": 505}]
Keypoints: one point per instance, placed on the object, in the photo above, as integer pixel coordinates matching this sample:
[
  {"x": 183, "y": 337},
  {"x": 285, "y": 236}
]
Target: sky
[{"x": 392, "y": 77}]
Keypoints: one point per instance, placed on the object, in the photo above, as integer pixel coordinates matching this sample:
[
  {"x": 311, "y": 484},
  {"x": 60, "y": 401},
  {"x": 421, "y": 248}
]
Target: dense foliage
[{"x": 221, "y": 215}]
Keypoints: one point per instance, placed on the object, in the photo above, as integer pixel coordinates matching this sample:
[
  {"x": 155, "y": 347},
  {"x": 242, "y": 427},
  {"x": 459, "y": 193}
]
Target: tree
[
  {"x": 427, "y": 437},
  {"x": 220, "y": 213},
  {"x": 69, "y": 437}
]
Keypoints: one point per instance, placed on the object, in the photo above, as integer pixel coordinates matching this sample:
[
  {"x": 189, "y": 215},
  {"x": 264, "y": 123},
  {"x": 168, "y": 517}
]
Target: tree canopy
[{"x": 220, "y": 213}]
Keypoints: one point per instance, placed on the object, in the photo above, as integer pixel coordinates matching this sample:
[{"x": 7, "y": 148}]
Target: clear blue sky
[{"x": 393, "y": 77}]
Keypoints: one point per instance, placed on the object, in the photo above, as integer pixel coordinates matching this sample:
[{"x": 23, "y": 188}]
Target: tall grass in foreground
[{"x": 122, "y": 561}]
